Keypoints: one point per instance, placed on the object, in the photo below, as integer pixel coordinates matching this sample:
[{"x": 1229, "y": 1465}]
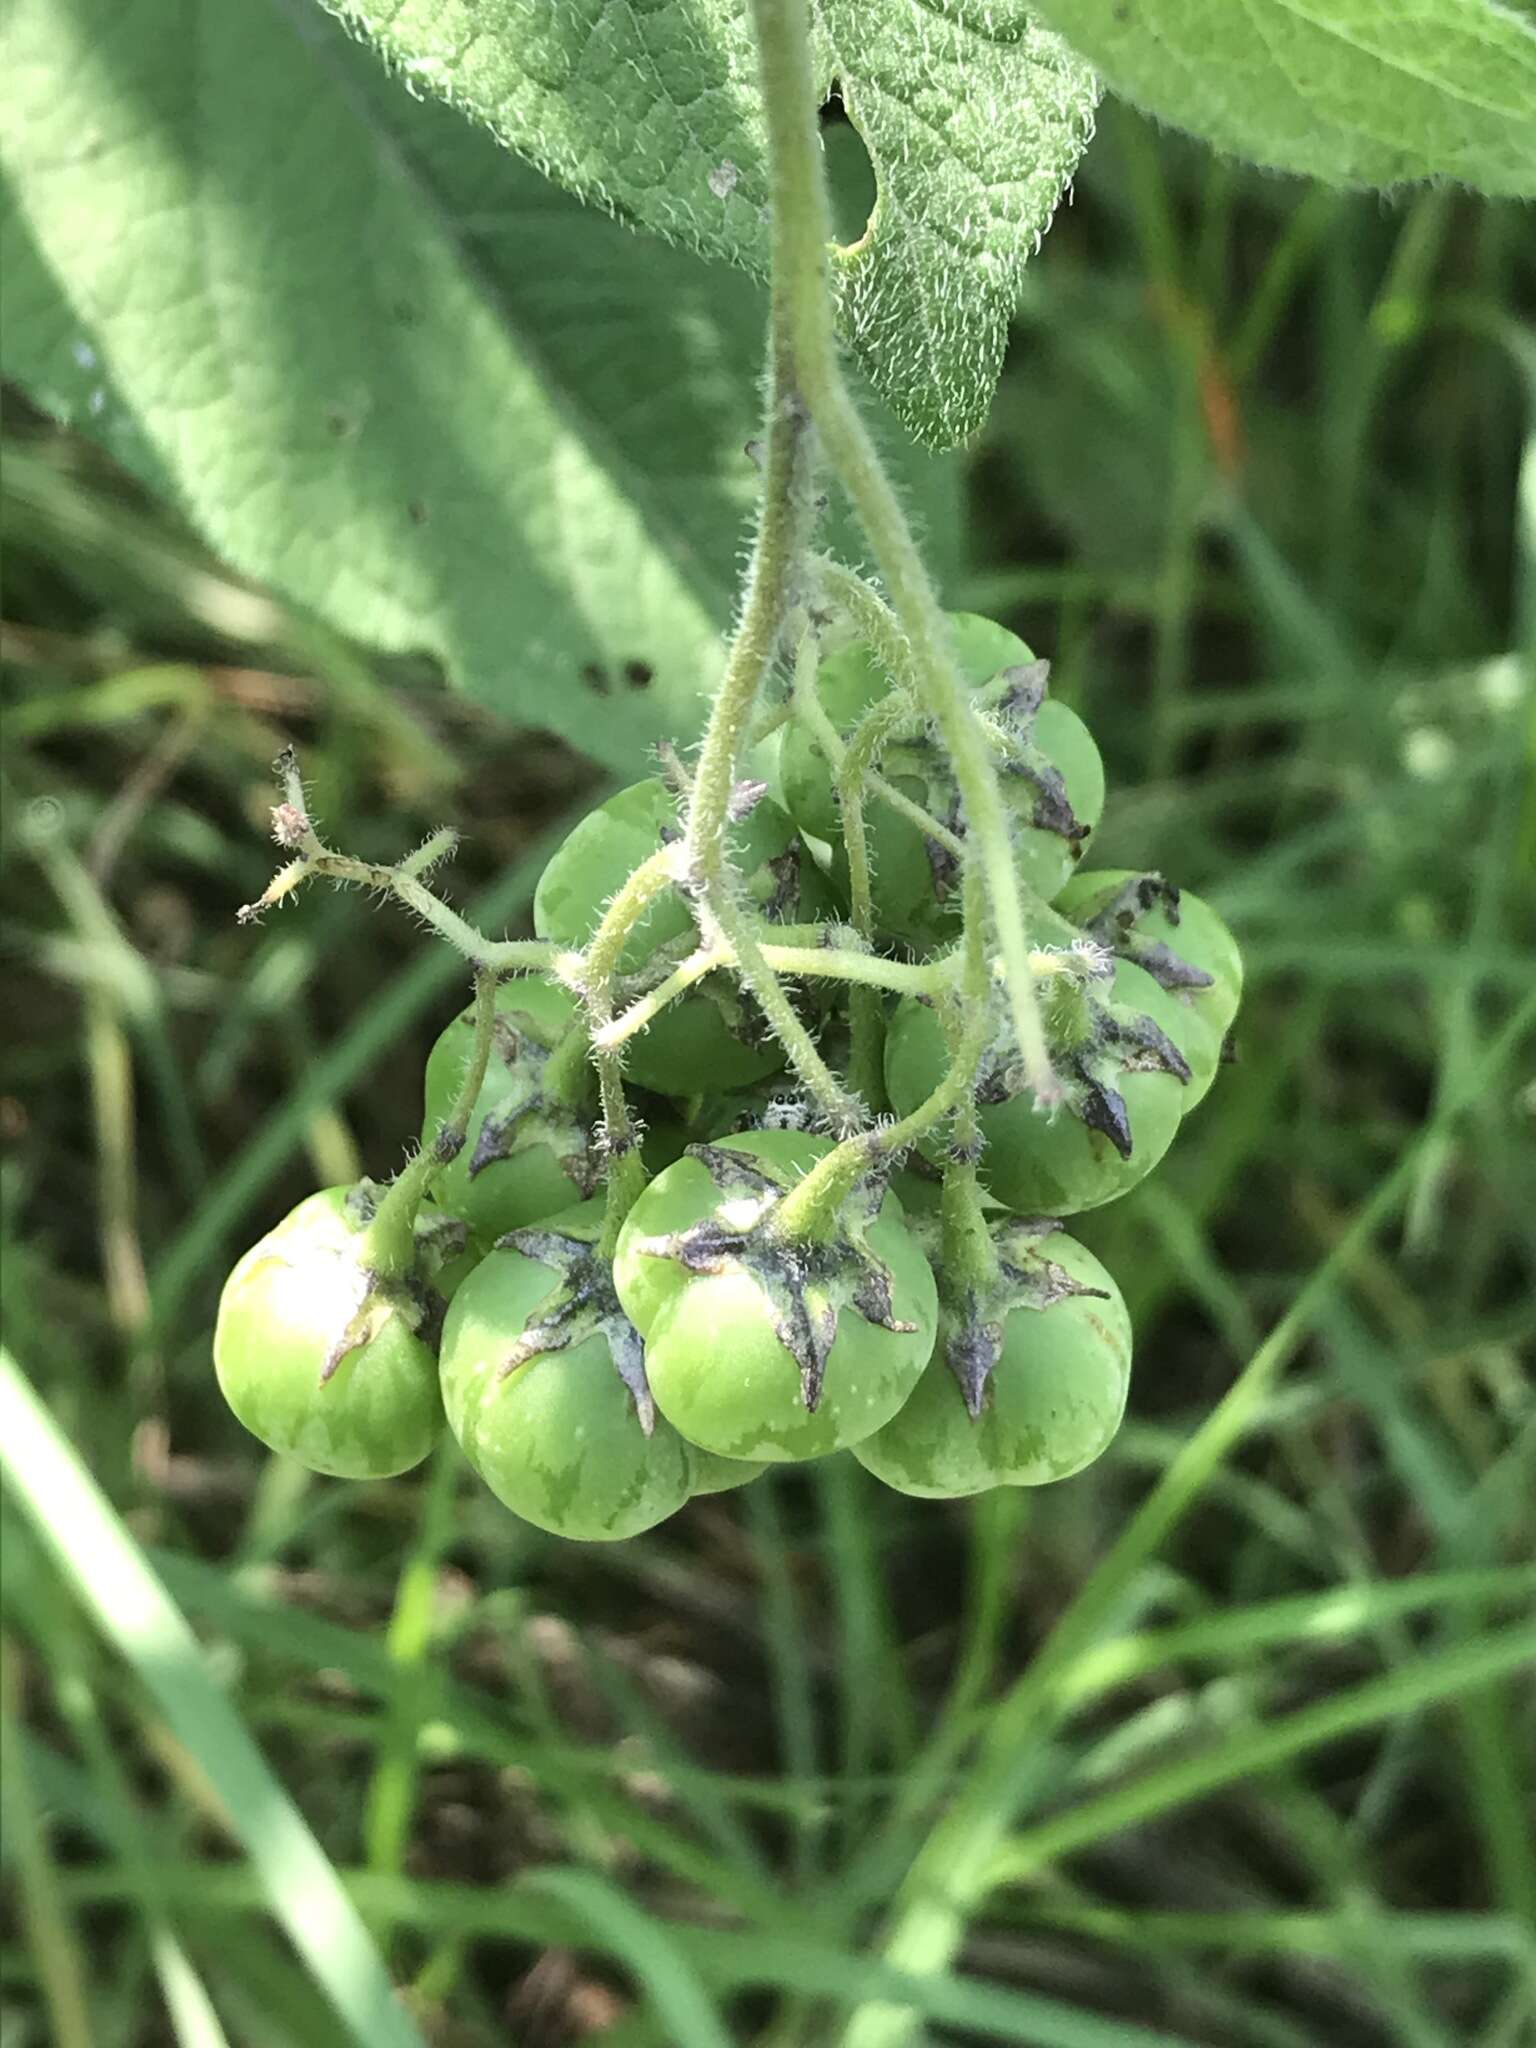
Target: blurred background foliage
[{"x": 1261, "y": 482}]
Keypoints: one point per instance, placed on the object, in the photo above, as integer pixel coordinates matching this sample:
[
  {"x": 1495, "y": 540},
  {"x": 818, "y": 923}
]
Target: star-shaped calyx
[
  {"x": 1113, "y": 924},
  {"x": 807, "y": 1282},
  {"x": 412, "y": 1295},
  {"x": 531, "y": 1113},
  {"x": 582, "y": 1304},
  {"x": 1014, "y": 698},
  {"x": 972, "y": 1323},
  {"x": 1107, "y": 1041}
]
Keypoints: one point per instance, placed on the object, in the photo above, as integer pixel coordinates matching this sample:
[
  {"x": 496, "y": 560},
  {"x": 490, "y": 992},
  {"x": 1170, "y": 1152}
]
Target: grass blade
[
  {"x": 681, "y": 2002},
  {"x": 950, "y": 1874},
  {"x": 46, "y": 1917},
  {"x": 1257, "y": 1750},
  {"x": 108, "y": 1571}
]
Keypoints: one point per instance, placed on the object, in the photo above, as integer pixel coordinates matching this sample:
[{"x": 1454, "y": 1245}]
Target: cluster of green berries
[{"x": 925, "y": 1311}]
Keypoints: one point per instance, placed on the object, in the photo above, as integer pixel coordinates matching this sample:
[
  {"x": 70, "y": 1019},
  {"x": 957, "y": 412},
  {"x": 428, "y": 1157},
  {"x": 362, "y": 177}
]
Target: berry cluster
[{"x": 625, "y": 1291}]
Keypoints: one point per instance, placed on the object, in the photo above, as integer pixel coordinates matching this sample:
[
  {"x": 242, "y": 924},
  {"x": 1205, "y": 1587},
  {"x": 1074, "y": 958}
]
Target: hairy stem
[
  {"x": 970, "y": 1260},
  {"x": 567, "y": 1077},
  {"x": 647, "y": 1008},
  {"x": 866, "y": 1029},
  {"x": 784, "y": 525},
  {"x": 885, "y": 720},
  {"x": 842, "y": 1110},
  {"x": 292, "y": 827},
  {"x": 806, "y": 959},
  {"x": 803, "y": 228},
  {"x": 887, "y": 716},
  {"x": 605, "y": 949},
  {"x": 391, "y": 1236},
  {"x": 627, "y": 1176},
  {"x": 778, "y": 559},
  {"x": 928, "y": 658},
  {"x": 863, "y": 970},
  {"x": 809, "y": 1210},
  {"x": 969, "y": 1255},
  {"x": 594, "y": 975},
  {"x": 783, "y": 532}
]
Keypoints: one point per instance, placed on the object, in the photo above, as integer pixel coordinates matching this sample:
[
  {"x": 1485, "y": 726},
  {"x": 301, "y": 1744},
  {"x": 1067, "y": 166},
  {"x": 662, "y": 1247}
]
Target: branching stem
[
  {"x": 647, "y": 1008},
  {"x": 783, "y": 533},
  {"x": 842, "y": 1110},
  {"x": 863, "y": 970},
  {"x": 804, "y": 962},
  {"x": 292, "y": 827},
  {"x": 604, "y": 951},
  {"x": 887, "y": 716},
  {"x": 940, "y": 688},
  {"x": 810, "y": 1209}
]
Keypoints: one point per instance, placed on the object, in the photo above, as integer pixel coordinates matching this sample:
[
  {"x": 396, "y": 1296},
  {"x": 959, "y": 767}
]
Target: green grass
[{"x": 1228, "y": 1742}]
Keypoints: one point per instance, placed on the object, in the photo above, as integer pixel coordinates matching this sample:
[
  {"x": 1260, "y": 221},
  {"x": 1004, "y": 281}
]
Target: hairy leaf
[
  {"x": 1360, "y": 92},
  {"x": 973, "y": 116},
  {"x": 382, "y": 366}
]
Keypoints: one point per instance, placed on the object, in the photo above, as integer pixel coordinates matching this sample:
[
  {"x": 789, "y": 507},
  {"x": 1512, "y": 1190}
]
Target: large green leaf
[
  {"x": 973, "y": 115},
  {"x": 383, "y": 366},
  {"x": 1360, "y": 92}
]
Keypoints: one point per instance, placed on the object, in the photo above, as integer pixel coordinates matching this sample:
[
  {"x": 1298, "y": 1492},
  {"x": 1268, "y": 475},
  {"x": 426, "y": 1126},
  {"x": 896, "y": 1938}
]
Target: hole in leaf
[{"x": 851, "y": 180}]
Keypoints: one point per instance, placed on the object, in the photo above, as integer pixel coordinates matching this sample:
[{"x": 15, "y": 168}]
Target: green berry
[
  {"x": 762, "y": 1348},
  {"x": 318, "y": 1359},
  {"x": 1052, "y": 777},
  {"x": 1178, "y": 939},
  {"x": 1028, "y": 1383},
  {"x": 545, "y": 1391},
  {"x": 1116, "y": 1050},
  {"x": 712, "y": 1474},
  {"x": 712, "y": 1037},
  {"x": 528, "y": 1151}
]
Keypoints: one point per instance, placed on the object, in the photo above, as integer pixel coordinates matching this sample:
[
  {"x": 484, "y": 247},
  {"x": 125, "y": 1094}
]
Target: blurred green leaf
[
  {"x": 973, "y": 117},
  {"x": 1099, "y": 415},
  {"x": 108, "y": 1571},
  {"x": 384, "y": 367},
  {"x": 1346, "y": 90},
  {"x": 681, "y": 2001},
  {"x": 726, "y": 1959},
  {"x": 1249, "y": 1752}
]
